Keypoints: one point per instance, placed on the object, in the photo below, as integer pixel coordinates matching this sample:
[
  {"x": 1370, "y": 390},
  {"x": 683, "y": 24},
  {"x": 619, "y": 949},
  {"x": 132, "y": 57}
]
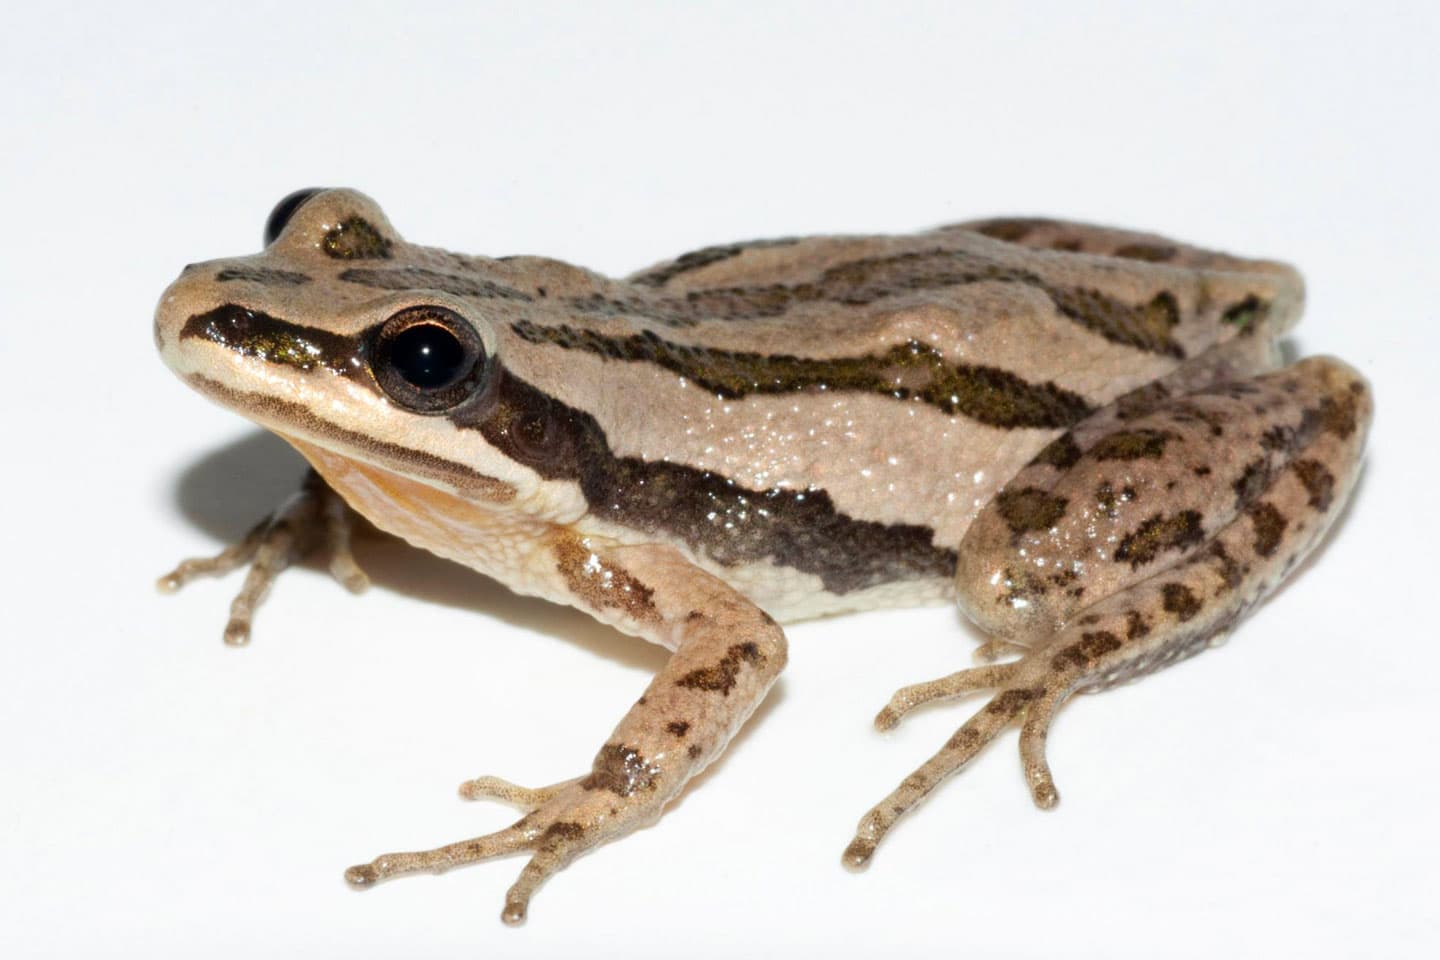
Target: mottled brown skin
[
  {"x": 1079, "y": 434},
  {"x": 1143, "y": 609}
]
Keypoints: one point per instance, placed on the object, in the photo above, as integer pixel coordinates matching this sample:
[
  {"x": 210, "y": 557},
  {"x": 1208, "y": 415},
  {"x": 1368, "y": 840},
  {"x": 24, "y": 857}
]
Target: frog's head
[{"x": 360, "y": 348}]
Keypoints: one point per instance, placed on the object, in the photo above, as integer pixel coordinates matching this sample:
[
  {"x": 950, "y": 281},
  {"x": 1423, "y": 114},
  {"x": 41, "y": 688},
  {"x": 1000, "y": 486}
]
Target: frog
[{"x": 1084, "y": 437}]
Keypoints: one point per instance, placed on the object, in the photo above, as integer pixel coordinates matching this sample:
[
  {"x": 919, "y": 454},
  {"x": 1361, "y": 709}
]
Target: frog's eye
[
  {"x": 284, "y": 210},
  {"x": 427, "y": 359}
]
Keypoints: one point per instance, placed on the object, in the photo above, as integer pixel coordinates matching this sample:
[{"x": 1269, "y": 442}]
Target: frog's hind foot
[
  {"x": 1027, "y": 694},
  {"x": 313, "y": 516}
]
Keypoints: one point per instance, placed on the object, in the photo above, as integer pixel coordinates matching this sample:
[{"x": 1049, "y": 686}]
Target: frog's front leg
[
  {"x": 726, "y": 654},
  {"x": 1134, "y": 541},
  {"x": 314, "y": 517}
]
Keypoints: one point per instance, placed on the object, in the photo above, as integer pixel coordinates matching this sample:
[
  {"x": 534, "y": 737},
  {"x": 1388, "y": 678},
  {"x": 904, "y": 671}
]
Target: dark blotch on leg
[
  {"x": 1181, "y": 601},
  {"x": 1251, "y": 483},
  {"x": 1269, "y": 525},
  {"x": 1179, "y": 531},
  {"x": 1318, "y": 481},
  {"x": 722, "y": 676},
  {"x": 1030, "y": 508},
  {"x": 1083, "y": 653},
  {"x": 622, "y": 770},
  {"x": 1132, "y": 445}
]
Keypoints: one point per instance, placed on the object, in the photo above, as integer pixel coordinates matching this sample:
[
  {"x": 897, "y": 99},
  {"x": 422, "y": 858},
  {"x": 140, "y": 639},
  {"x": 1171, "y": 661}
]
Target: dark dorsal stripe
[
  {"x": 419, "y": 278},
  {"x": 708, "y": 512},
  {"x": 1147, "y": 326},
  {"x": 906, "y": 371},
  {"x": 265, "y": 276},
  {"x": 696, "y": 259}
]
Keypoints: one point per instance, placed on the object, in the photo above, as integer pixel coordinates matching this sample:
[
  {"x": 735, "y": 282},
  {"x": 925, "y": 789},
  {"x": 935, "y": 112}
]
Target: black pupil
[{"x": 428, "y": 356}]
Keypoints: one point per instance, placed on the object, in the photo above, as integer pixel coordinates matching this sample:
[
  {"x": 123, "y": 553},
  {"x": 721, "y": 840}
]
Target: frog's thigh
[
  {"x": 727, "y": 653},
  {"x": 1229, "y": 489}
]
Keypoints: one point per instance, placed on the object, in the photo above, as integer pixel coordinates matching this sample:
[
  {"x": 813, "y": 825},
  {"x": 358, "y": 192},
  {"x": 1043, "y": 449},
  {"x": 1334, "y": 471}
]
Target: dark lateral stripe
[
  {"x": 389, "y": 455},
  {"x": 907, "y": 371},
  {"x": 696, "y": 259},
  {"x": 257, "y": 334},
  {"x": 419, "y": 278},
  {"x": 713, "y": 515},
  {"x": 265, "y": 276}
]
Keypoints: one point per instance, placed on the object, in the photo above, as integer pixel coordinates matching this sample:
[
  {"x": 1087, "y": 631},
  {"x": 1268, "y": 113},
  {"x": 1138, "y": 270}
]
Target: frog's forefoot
[
  {"x": 313, "y": 517},
  {"x": 562, "y": 821}
]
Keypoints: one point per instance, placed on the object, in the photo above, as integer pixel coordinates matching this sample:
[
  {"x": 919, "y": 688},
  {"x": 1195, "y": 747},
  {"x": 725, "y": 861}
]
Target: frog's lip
[{"x": 293, "y": 420}]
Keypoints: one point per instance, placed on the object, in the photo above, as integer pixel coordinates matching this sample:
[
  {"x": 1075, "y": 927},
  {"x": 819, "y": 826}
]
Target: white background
[{"x": 166, "y": 796}]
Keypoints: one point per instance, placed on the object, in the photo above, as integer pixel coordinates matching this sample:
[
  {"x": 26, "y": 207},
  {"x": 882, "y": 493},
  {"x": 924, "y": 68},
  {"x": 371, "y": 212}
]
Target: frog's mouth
[{"x": 299, "y": 425}]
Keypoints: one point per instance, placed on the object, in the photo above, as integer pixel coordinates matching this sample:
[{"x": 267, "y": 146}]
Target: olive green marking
[
  {"x": 419, "y": 278},
  {"x": 1180, "y": 600},
  {"x": 265, "y": 276},
  {"x": 355, "y": 238},
  {"x": 1318, "y": 481},
  {"x": 1246, "y": 313},
  {"x": 1009, "y": 229},
  {"x": 253, "y": 333},
  {"x": 1061, "y": 453},
  {"x": 698, "y": 259},
  {"x": 1030, "y": 508},
  {"x": 1269, "y": 524},
  {"x": 1145, "y": 327},
  {"x": 1179, "y": 531},
  {"x": 1142, "y": 444},
  {"x": 1147, "y": 252},
  {"x": 907, "y": 371}
]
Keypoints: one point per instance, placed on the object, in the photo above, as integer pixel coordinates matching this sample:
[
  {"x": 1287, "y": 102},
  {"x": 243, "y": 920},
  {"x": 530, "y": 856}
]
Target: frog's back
[{"x": 896, "y": 381}]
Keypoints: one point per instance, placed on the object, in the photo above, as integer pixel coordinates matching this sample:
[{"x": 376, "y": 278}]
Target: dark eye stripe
[{"x": 258, "y": 334}]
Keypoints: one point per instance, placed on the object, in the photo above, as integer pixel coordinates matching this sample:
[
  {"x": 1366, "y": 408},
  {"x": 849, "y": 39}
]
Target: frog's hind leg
[
  {"x": 314, "y": 516},
  {"x": 1158, "y": 585}
]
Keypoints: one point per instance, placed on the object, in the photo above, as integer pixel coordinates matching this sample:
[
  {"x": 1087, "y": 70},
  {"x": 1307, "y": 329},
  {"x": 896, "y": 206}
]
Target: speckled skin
[{"x": 1079, "y": 434}]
